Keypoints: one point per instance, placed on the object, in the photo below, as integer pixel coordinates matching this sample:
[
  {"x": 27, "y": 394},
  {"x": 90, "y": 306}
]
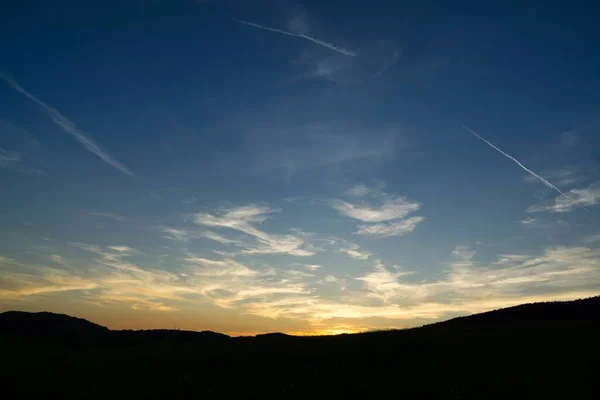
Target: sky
[{"x": 250, "y": 167}]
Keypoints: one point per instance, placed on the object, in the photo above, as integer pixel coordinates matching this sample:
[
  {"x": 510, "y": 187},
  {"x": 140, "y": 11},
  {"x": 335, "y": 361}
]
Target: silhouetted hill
[
  {"x": 164, "y": 336},
  {"x": 541, "y": 350},
  {"x": 546, "y": 314},
  {"x": 47, "y": 324},
  {"x": 555, "y": 311}
]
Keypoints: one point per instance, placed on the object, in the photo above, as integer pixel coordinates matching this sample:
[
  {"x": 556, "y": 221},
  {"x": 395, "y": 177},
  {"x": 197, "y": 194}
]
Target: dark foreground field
[{"x": 536, "y": 351}]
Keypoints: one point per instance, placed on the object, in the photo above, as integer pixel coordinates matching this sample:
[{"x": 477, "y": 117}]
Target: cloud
[
  {"x": 13, "y": 160},
  {"x": 69, "y": 127},
  {"x": 21, "y": 280},
  {"x": 311, "y": 293},
  {"x": 61, "y": 261},
  {"x": 218, "y": 238},
  {"x": 371, "y": 64},
  {"x": 228, "y": 283},
  {"x": 245, "y": 219},
  {"x": 528, "y": 221},
  {"x": 577, "y": 198},
  {"x": 101, "y": 214},
  {"x": 397, "y": 228},
  {"x": 372, "y": 61},
  {"x": 592, "y": 238},
  {"x": 390, "y": 209},
  {"x": 570, "y": 138},
  {"x": 358, "y": 190},
  {"x": 180, "y": 235},
  {"x": 296, "y": 274},
  {"x": 311, "y": 267},
  {"x": 563, "y": 176},
  {"x": 109, "y": 215},
  {"x": 354, "y": 251},
  {"x": 467, "y": 286},
  {"x": 539, "y": 178},
  {"x": 330, "y": 46},
  {"x": 7, "y": 156},
  {"x": 324, "y": 147},
  {"x": 121, "y": 249},
  {"x": 387, "y": 217},
  {"x": 122, "y": 281},
  {"x": 382, "y": 283},
  {"x": 185, "y": 235},
  {"x": 559, "y": 273},
  {"x": 189, "y": 200}
]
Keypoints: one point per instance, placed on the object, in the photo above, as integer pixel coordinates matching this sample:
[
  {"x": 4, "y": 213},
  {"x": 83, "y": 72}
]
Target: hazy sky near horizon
[{"x": 264, "y": 166}]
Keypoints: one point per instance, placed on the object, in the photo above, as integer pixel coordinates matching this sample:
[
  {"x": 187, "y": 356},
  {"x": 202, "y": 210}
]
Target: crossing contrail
[
  {"x": 541, "y": 179},
  {"x": 300, "y": 35},
  {"x": 69, "y": 127}
]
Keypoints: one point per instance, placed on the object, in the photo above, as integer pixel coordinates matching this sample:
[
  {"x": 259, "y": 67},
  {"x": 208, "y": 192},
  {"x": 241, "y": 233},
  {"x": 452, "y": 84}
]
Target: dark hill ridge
[
  {"x": 542, "y": 350},
  {"x": 564, "y": 311},
  {"x": 47, "y": 324},
  {"x": 558, "y": 312}
]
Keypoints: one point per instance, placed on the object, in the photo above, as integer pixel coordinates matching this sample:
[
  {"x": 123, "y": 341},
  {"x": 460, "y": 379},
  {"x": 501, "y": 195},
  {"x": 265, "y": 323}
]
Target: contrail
[
  {"x": 68, "y": 126},
  {"x": 541, "y": 179},
  {"x": 300, "y": 35}
]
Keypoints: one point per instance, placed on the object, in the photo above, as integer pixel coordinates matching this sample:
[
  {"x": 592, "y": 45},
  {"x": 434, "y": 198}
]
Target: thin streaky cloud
[
  {"x": 300, "y": 35},
  {"x": 68, "y": 126},
  {"x": 577, "y": 198},
  {"x": 541, "y": 179}
]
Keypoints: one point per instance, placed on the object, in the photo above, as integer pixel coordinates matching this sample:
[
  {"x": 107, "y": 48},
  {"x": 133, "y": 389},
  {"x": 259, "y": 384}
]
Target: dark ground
[{"x": 536, "y": 351}]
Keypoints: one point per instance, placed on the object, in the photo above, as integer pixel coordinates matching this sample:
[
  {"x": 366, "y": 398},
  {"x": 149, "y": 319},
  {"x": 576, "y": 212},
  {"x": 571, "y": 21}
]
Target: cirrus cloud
[{"x": 385, "y": 213}]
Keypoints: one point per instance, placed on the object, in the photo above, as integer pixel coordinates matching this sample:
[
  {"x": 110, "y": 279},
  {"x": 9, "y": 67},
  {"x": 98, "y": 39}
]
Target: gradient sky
[{"x": 263, "y": 166}]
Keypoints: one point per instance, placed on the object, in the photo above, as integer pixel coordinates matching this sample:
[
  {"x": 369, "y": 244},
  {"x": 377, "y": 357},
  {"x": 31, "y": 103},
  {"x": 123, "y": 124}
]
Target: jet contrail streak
[
  {"x": 300, "y": 35},
  {"x": 541, "y": 179},
  {"x": 69, "y": 127}
]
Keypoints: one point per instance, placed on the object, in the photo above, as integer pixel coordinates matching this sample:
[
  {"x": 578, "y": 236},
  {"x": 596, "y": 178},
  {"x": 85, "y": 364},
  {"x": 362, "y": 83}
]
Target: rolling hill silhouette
[
  {"x": 529, "y": 351},
  {"x": 47, "y": 324}
]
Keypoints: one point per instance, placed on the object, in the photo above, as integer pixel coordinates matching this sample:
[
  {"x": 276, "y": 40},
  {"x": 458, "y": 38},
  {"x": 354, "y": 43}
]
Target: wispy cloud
[
  {"x": 311, "y": 267},
  {"x": 60, "y": 261},
  {"x": 13, "y": 160},
  {"x": 381, "y": 283},
  {"x": 22, "y": 280},
  {"x": 386, "y": 216},
  {"x": 332, "y": 148},
  {"x": 528, "y": 221},
  {"x": 395, "y": 228},
  {"x": 121, "y": 249},
  {"x": 185, "y": 235},
  {"x": 358, "y": 190},
  {"x": 356, "y": 72},
  {"x": 229, "y": 283},
  {"x": 8, "y": 156},
  {"x": 468, "y": 286},
  {"x": 383, "y": 294},
  {"x": 69, "y": 127},
  {"x": 577, "y": 198},
  {"x": 354, "y": 251},
  {"x": 105, "y": 214},
  {"x": 330, "y": 46},
  {"x": 544, "y": 181},
  {"x": 123, "y": 281},
  {"x": 391, "y": 208},
  {"x": 245, "y": 219},
  {"x": 218, "y": 238},
  {"x": 592, "y": 239},
  {"x": 180, "y": 235},
  {"x": 562, "y": 176},
  {"x": 189, "y": 200}
]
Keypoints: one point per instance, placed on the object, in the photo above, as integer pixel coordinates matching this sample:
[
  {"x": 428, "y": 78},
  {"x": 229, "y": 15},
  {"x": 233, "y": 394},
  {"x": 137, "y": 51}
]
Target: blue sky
[{"x": 268, "y": 166}]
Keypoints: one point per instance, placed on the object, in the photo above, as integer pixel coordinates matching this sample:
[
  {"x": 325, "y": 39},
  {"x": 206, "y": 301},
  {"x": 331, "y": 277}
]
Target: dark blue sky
[{"x": 299, "y": 167}]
